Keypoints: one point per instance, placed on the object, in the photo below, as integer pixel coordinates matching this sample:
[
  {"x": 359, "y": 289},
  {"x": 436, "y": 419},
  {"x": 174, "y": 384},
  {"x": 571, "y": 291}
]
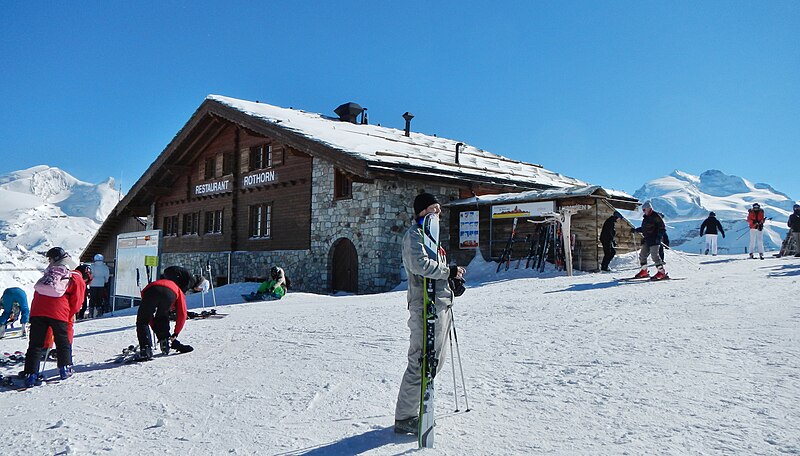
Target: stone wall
[{"x": 374, "y": 220}]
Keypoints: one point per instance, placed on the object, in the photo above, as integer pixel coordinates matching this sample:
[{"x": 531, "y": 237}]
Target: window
[
  {"x": 190, "y": 222},
  {"x": 214, "y": 222},
  {"x": 342, "y": 185},
  {"x": 211, "y": 167},
  {"x": 227, "y": 163},
  {"x": 261, "y": 221},
  {"x": 170, "y": 227},
  {"x": 260, "y": 157}
]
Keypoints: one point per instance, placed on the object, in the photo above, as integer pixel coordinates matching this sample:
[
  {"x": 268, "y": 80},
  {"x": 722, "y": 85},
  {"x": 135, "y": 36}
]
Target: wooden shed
[{"x": 485, "y": 222}]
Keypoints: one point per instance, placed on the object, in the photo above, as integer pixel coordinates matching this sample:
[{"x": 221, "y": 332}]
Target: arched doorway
[{"x": 344, "y": 266}]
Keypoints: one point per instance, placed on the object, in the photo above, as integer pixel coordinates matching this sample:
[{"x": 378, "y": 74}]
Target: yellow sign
[{"x": 150, "y": 260}]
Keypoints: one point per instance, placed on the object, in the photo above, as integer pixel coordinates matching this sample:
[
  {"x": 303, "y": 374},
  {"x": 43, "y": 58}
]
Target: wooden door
[{"x": 344, "y": 274}]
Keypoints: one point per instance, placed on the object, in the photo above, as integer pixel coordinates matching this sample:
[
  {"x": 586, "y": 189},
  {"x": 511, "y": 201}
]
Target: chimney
[
  {"x": 349, "y": 112},
  {"x": 458, "y": 146},
  {"x": 408, "y": 116}
]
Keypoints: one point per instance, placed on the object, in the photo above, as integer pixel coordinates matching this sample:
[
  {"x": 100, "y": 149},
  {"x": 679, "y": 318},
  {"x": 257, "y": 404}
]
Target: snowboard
[
  {"x": 205, "y": 314},
  {"x": 430, "y": 238},
  {"x": 258, "y": 297}
]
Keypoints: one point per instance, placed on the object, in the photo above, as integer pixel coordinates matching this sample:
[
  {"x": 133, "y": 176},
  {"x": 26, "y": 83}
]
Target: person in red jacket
[
  {"x": 756, "y": 219},
  {"x": 158, "y": 299},
  {"x": 54, "y": 312}
]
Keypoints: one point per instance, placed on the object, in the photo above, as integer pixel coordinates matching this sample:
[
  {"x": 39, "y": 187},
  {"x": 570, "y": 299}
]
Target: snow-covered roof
[
  {"x": 388, "y": 149},
  {"x": 543, "y": 195}
]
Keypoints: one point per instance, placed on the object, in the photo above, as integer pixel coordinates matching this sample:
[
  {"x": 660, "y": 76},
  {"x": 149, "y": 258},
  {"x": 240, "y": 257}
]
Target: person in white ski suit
[
  {"x": 97, "y": 287},
  {"x": 419, "y": 266}
]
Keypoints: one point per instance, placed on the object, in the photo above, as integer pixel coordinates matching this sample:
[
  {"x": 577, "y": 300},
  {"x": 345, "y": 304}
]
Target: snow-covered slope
[
  {"x": 42, "y": 207},
  {"x": 686, "y": 199},
  {"x": 579, "y": 365}
]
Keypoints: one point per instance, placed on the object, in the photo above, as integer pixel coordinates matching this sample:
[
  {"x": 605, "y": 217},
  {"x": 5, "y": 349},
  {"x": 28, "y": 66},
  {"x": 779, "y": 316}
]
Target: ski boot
[
  {"x": 32, "y": 380},
  {"x": 181, "y": 348},
  {"x": 751, "y": 256},
  {"x": 164, "y": 346},
  {"x": 642, "y": 274},
  {"x": 760, "y": 256},
  {"x": 660, "y": 275},
  {"x": 65, "y": 372},
  {"x": 145, "y": 353},
  {"x": 407, "y": 426}
]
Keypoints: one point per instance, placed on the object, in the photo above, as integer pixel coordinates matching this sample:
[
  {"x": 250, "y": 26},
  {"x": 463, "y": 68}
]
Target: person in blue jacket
[{"x": 10, "y": 297}]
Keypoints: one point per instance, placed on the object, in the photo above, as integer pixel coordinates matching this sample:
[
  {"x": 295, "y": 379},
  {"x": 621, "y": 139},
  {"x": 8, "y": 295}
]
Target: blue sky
[{"x": 614, "y": 93}]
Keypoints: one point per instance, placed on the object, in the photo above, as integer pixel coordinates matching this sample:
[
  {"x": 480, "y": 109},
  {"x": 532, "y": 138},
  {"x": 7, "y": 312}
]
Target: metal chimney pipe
[
  {"x": 408, "y": 116},
  {"x": 458, "y": 146}
]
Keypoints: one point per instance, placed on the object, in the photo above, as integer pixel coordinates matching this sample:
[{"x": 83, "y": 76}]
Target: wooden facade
[
  {"x": 585, "y": 226},
  {"x": 213, "y": 202}
]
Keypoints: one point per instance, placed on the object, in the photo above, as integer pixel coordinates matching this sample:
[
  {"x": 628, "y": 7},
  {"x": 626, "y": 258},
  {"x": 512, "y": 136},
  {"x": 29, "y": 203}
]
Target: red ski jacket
[
  {"x": 63, "y": 307},
  {"x": 755, "y": 218},
  {"x": 179, "y": 306}
]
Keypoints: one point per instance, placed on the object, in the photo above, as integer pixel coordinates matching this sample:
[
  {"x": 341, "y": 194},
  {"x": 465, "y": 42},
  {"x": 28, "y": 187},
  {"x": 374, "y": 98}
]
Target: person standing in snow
[
  {"x": 11, "y": 297},
  {"x": 97, "y": 287},
  {"x": 653, "y": 230},
  {"x": 607, "y": 235},
  {"x": 158, "y": 299},
  {"x": 86, "y": 274},
  {"x": 709, "y": 228},
  {"x": 756, "y": 219},
  {"x": 54, "y": 305},
  {"x": 794, "y": 228},
  {"x": 418, "y": 266}
]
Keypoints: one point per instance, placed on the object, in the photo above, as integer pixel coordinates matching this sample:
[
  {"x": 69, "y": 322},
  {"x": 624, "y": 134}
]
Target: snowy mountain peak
[
  {"x": 42, "y": 207},
  {"x": 686, "y": 200}
]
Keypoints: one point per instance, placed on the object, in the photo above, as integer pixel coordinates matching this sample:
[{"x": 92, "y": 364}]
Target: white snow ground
[{"x": 559, "y": 366}]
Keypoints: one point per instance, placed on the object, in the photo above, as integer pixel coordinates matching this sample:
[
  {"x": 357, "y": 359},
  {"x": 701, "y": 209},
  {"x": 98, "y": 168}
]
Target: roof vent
[
  {"x": 348, "y": 112},
  {"x": 408, "y": 116}
]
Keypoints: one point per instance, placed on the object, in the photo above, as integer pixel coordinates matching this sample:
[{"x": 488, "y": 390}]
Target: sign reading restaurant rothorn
[
  {"x": 211, "y": 188},
  {"x": 259, "y": 178}
]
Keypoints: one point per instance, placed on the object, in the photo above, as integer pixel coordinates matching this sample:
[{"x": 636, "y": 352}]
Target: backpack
[{"x": 54, "y": 282}]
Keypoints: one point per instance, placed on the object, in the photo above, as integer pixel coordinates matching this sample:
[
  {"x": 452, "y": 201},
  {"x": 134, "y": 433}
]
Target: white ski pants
[
  {"x": 411, "y": 385},
  {"x": 711, "y": 243},
  {"x": 756, "y": 241}
]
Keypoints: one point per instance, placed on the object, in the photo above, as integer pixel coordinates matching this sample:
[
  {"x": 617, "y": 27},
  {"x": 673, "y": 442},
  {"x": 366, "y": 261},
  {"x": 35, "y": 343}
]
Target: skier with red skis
[
  {"x": 419, "y": 266},
  {"x": 653, "y": 229}
]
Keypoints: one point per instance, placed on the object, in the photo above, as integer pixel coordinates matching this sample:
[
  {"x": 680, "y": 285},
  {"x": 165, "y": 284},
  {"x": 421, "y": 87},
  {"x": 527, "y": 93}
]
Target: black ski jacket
[
  {"x": 653, "y": 229},
  {"x": 794, "y": 222},
  {"x": 609, "y": 230},
  {"x": 711, "y": 226}
]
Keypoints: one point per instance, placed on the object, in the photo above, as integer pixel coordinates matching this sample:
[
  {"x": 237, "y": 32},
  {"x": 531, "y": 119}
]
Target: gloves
[{"x": 453, "y": 272}]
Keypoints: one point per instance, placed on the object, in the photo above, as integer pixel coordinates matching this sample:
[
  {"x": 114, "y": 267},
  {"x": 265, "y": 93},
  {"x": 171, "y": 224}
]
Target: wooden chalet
[{"x": 245, "y": 185}]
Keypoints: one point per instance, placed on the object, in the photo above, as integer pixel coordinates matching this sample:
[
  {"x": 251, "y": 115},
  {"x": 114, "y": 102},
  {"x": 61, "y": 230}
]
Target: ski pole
[
  {"x": 453, "y": 368},
  {"x": 680, "y": 255},
  {"x": 211, "y": 282},
  {"x": 458, "y": 353}
]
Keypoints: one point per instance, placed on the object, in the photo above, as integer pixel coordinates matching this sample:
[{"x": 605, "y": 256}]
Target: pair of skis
[{"x": 430, "y": 236}]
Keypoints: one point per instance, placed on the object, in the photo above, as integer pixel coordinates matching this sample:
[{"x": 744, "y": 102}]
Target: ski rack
[{"x": 564, "y": 218}]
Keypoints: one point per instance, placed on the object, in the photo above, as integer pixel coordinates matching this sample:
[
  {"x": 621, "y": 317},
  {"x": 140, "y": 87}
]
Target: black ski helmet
[
  {"x": 182, "y": 278},
  {"x": 56, "y": 254},
  {"x": 274, "y": 272},
  {"x": 85, "y": 270}
]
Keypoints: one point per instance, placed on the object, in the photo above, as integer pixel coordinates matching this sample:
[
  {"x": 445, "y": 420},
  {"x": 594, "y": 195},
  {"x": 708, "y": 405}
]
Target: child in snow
[
  {"x": 58, "y": 297},
  {"x": 14, "y": 297}
]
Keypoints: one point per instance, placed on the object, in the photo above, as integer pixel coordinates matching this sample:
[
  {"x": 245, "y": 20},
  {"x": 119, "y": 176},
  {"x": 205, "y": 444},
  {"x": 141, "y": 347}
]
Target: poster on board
[
  {"x": 536, "y": 209},
  {"x": 137, "y": 262},
  {"x": 468, "y": 229}
]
